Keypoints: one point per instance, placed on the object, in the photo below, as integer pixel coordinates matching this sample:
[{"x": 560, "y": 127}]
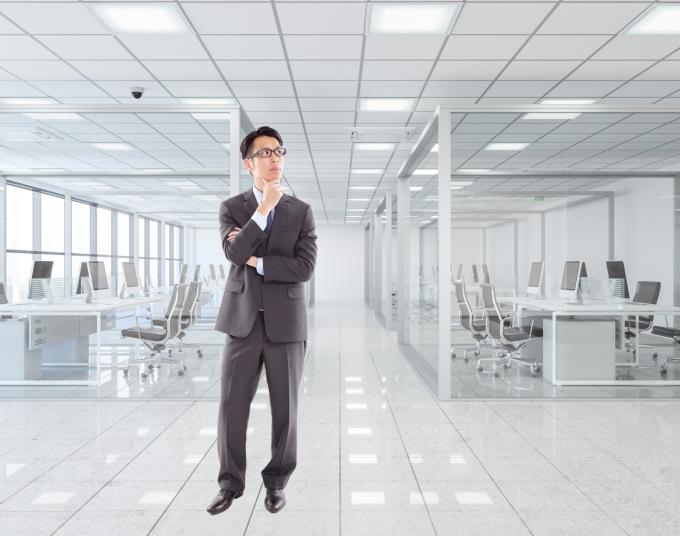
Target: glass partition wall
[{"x": 560, "y": 272}]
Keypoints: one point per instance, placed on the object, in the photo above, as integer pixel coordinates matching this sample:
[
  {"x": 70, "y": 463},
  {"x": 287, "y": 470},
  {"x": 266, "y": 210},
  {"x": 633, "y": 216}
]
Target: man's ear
[{"x": 248, "y": 165}]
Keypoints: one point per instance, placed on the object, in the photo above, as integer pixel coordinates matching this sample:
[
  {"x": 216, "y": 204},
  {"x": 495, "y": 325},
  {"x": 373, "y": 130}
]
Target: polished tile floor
[{"x": 378, "y": 455}]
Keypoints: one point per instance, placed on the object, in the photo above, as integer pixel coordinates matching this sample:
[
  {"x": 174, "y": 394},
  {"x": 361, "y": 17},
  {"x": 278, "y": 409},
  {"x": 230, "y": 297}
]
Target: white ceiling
[{"x": 302, "y": 67}]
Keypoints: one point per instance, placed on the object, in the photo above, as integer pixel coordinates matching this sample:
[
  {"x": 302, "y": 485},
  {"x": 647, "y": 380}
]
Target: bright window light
[
  {"x": 568, "y": 102},
  {"x": 374, "y": 146},
  {"x": 368, "y": 171},
  {"x": 48, "y": 116},
  {"x": 112, "y": 146},
  {"x": 141, "y": 18},
  {"x": 367, "y": 497},
  {"x": 547, "y": 116},
  {"x": 472, "y": 171},
  {"x": 415, "y": 188},
  {"x": 410, "y": 18},
  {"x": 425, "y": 171},
  {"x": 506, "y": 146},
  {"x": 386, "y": 105},
  {"x": 662, "y": 20}
]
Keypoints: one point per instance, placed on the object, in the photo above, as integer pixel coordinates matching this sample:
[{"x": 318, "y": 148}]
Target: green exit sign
[{"x": 539, "y": 198}]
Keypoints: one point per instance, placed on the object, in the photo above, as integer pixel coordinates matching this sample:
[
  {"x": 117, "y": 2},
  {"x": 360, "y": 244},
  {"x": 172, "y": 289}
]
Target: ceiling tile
[
  {"x": 383, "y": 88},
  {"x": 323, "y": 47},
  {"x": 254, "y": 70},
  {"x": 495, "y": 18},
  {"x": 57, "y": 18},
  {"x": 339, "y": 88},
  {"x": 578, "y": 88},
  {"x": 112, "y": 70},
  {"x": 41, "y": 70},
  {"x": 561, "y": 47},
  {"x": 283, "y": 104},
  {"x": 609, "y": 70},
  {"x": 244, "y": 47},
  {"x": 479, "y": 47},
  {"x": 232, "y": 18},
  {"x": 462, "y": 88},
  {"x": 85, "y": 47},
  {"x": 152, "y": 89},
  {"x": 665, "y": 70},
  {"x": 255, "y": 88},
  {"x": 538, "y": 70},
  {"x": 8, "y": 28},
  {"x": 69, "y": 89},
  {"x": 22, "y": 47},
  {"x": 639, "y": 47},
  {"x": 183, "y": 70},
  {"x": 467, "y": 70},
  {"x": 325, "y": 70},
  {"x": 18, "y": 89},
  {"x": 591, "y": 18},
  {"x": 396, "y": 70},
  {"x": 321, "y": 104},
  {"x": 402, "y": 47},
  {"x": 165, "y": 47},
  {"x": 516, "y": 88},
  {"x": 310, "y": 18},
  {"x": 199, "y": 88},
  {"x": 647, "y": 88}
]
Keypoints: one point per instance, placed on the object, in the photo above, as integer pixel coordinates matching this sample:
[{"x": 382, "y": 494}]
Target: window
[
  {"x": 103, "y": 232},
  {"x": 51, "y": 223},
  {"x": 124, "y": 251},
  {"x": 19, "y": 218},
  {"x": 80, "y": 229}
]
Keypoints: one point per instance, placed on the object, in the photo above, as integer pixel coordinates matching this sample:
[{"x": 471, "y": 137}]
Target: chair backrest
[
  {"x": 463, "y": 305},
  {"x": 646, "y": 292},
  {"x": 493, "y": 312},
  {"x": 190, "y": 300},
  {"x": 174, "y": 315},
  {"x": 3, "y": 295}
]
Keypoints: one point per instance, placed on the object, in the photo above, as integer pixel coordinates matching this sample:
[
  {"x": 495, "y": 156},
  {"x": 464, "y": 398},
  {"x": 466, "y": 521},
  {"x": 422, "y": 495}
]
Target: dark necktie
[{"x": 270, "y": 219}]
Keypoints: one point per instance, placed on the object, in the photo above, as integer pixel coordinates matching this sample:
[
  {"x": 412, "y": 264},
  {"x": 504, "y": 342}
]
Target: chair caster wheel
[
  {"x": 534, "y": 373},
  {"x": 506, "y": 366},
  {"x": 655, "y": 355},
  {"x": 180, "y": 372},
  {"x": 125, "y": 372},
  {"x": 476, "y": 354},
  {"x": 144, "y": 375},
  {"x": 480, "y": 369},
  {"x": 199, "y": 353},
  {"x": 151, "y": 366},
  {"x": 466, "y": 359},
  {"x": 664, "y": 371},
  {"x": 496, "y": 374}
]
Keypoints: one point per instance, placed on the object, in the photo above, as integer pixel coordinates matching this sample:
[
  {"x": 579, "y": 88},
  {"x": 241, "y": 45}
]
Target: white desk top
[
  {"x": 78, "y": 306},
  {"x": 551, "y": 305}
]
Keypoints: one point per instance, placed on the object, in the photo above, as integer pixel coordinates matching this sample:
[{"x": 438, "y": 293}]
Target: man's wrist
[{"x": 264, "y": 210}]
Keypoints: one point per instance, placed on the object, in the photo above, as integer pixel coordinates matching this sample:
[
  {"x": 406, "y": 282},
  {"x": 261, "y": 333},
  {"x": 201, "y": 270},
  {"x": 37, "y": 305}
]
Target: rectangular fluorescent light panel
[
  {"x": 137, "y": 18},
  {"x": 411, "y": 18},
  {"x": 415, "y": 188},
  {"x": 460, "y": 183},
  {"x": 386, "y": 105},
  {"x": 362, "y": 187},
  {"x": 368, "y": 171},
  {"x": 548, "y": 116},
  {"x": 506, "y": 146},
  {"x": 374, "y": 146},
  {"x": 662, "y": 20},
  {"x": 112, "y": 146},
  {"x": 425, "y": 171}
]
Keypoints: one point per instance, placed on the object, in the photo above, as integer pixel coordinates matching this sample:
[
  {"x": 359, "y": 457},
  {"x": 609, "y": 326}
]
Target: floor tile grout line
[{"x": 123, "y": 468}]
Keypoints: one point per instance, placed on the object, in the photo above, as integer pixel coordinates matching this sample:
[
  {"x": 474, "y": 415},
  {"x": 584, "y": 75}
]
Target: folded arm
[{"x": 241, "y": 246}]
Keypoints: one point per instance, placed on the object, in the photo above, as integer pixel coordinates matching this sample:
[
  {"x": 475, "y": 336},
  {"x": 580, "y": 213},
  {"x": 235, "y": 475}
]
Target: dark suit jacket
[{"x": 289, "y": 255}]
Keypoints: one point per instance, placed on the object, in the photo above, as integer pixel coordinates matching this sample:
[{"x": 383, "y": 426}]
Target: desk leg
[
  {"x": 98, "y": 348},
  {"x": 553, "y": 343}
]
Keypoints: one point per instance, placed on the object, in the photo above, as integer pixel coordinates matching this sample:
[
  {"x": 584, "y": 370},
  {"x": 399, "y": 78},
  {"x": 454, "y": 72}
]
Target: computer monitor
[
  {"x": 42, "y": 269},
  {"x": 616, "y": 270},
  {"x": 183, "y": 273},
  {"x": 83, "y": 273},
  {"x": 485, "y": 272},
  {"x": 197, "y": 272},
  {"x": 213, "y": 275},
  {"x": 98, "y": 275},
  {"x": 475, "y": 275},
  {"x": 130, "y": 274},
  {"x": 222, "y": 276},
  {"x": 647, "y": 292},
  {"x": 571, "y": 277},
  {"x": 535, "y": 286}
]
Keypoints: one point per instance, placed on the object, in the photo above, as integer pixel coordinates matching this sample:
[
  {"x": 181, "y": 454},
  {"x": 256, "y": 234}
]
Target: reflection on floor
[{"x": 378, "y": 456}]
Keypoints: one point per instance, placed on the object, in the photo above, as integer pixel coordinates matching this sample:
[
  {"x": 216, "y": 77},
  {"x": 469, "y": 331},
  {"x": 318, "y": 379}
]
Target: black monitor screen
[
  {"x": 83, "y": 273},
  {"x": 130, "y": 273},
  {"x": 535, "y": 274},
  {"x": 42, "y": 270},
  {"x": 616, "y": 270},
  {"x": 197, "y": 272},
  {"x": 475, "y": 276},
  {"x": 647, "y": 292},
  {"x": 98, "y": 275},
  {"x": 570, "y": 275}
]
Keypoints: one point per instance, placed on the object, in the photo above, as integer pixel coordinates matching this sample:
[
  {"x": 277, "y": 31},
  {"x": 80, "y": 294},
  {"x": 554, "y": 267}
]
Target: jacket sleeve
[
  {"x": 297, "y": 269},
  {"x": 239, "y": 250}
]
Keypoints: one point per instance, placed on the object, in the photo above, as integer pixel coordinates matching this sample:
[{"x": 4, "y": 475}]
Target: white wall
[
  {"x": 500, "y": 255},
  {"x": 466, "y": 249},
  {"x": 339, "y": 273}
]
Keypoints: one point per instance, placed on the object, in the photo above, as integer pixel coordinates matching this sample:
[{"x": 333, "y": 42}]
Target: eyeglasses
[{"x": 267, "y": 153}]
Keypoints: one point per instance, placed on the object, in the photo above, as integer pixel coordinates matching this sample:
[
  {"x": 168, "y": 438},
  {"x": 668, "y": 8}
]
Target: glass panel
[
  {"x": 19, "y": 218},
  {"x": 153, "y": 238},
  {"x": 19, "y": 266},
  {"x": 123, "y": 231},
  {"x": 167, "y": 272},
  {"x": 51, "y": 223},
  {"x": 177, "y": 232},
  {"x": 167, "y": 229},
  {"x": 80, "y": 232},
  {"x": 141, "y": 237},
  {"x": 103, "y": 232},
  {"x": 153, "y": 271}
]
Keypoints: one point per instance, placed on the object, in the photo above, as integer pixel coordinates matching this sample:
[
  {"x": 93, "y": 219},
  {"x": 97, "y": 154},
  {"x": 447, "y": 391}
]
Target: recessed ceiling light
[
  {"x": 548, "y": 116},
  {"x": 362, "y": 187},
  {"x": 27, "y": 101},
  {"x": 460, "y": 184},
  {"x": 662, "y": 20},
  {"x": 425, "y": 171},
  {"x": 374, "y": 146},
  {"x": 356, "y": 210},
  {"x": 112, "y": 146},
  {"x": 415, "y": 188},
  {"x": 506, "y": 146},
  {"x": 386, "y": 105},
  {"x": 47, "y": 116},
  {"x": 472, "y": 171},
  {"x": 359, "y": 199},
  {"x": 141, "y": 18},
  {"x": 210, "y": 117},
  {"x": 368, "y": 171},
  {"x": 568, "y": 102},
  {"x": 410, "y": 18}
]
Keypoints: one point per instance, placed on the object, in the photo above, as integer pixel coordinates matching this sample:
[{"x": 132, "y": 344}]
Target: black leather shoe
[
  {"x": 275, "y": 500},
  {"x": 222, "y": 501}
]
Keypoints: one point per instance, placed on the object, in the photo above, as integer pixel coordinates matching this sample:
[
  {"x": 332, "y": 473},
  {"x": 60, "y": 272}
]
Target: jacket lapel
[
  {"x": 249, "y": 202},
  {"x": 280, "y": 216}
]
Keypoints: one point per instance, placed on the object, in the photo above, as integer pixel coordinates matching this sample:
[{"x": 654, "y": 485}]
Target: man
[{"x": 269, "y": 239}]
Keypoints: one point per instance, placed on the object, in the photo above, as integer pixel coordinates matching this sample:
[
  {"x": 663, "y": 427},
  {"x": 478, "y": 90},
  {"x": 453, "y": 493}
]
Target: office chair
[
  {"x": 645, "y": 292},
  {"x": 155, "y": 337},
  {"x": 512, "y": 339},
  {"x": 667, "y": 333},
  {"x": 188, "y": 318},
  {"x": 477, "y": 328}
]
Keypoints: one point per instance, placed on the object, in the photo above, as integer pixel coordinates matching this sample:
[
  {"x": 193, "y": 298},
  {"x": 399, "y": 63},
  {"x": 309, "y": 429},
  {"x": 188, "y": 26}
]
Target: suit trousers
[{"x": 241, "y": 368}]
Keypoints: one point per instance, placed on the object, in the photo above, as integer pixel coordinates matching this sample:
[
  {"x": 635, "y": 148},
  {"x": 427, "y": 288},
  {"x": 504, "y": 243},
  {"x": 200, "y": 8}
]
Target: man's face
[{"x": 264, "y": 168}]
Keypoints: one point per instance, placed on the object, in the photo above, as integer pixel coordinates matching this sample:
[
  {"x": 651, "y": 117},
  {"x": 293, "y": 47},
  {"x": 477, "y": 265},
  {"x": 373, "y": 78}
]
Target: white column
[
  {"x": 134, "y": 242},
  {"x": 403, "y": 260},
  {"x": 162, "y": 254},
  {"x": 3, "y": 232},
  {"x": 68, "y": 245},
  {"x": 387, "y": 284},
  {"x": 377, "y": 264},
  {"x": 234, "y": 155},
  {"x": 444, "y": 254}
]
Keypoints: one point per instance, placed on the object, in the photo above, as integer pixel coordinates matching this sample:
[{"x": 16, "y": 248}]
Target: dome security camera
[{"x": 137, "y": 92}]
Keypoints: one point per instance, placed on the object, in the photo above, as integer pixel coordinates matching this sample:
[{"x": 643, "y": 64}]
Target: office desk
[
  {"x": 36, "y": 326},
  {"x": 560, "y": 309}
]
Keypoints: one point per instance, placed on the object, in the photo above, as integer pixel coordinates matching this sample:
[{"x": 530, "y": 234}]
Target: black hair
[{"x": 250, "y": 138}]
